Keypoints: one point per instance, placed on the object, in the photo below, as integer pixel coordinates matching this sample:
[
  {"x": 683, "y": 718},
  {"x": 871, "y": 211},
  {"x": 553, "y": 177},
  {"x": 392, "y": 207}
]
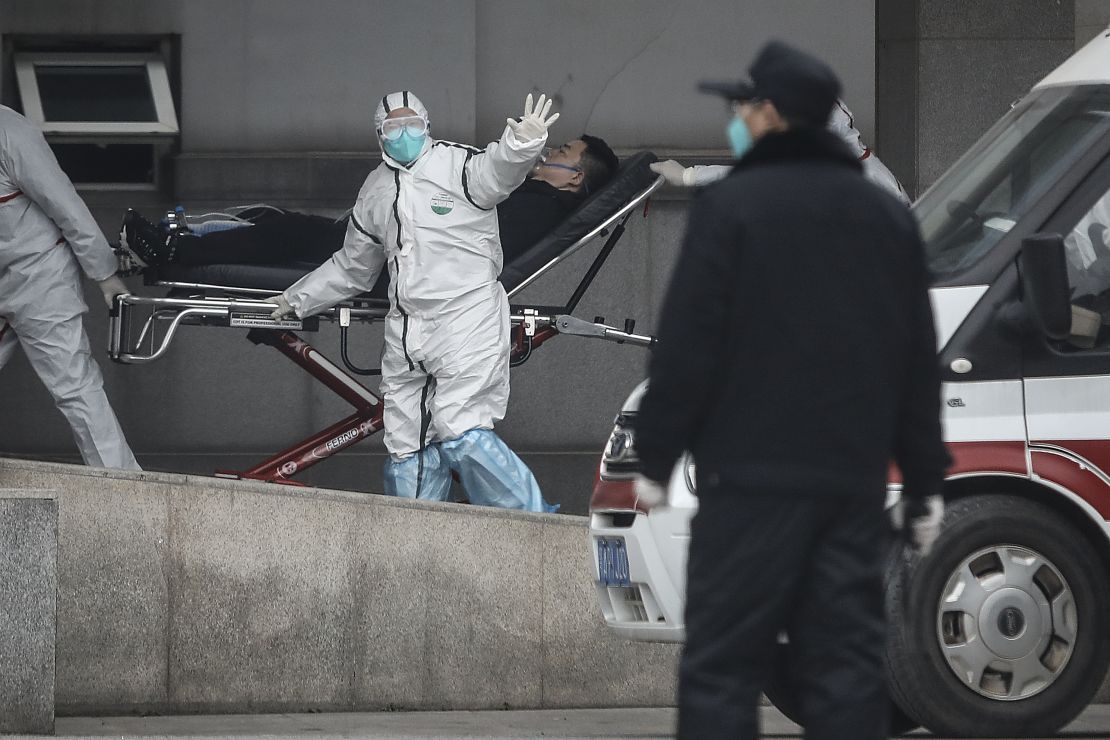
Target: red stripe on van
[
  {"x": 979, "y": 457},
  {"x": 1075, "y": 476}
]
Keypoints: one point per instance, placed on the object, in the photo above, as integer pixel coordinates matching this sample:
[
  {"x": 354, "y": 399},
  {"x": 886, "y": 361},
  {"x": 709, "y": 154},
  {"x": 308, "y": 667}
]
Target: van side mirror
[{"x": 1044, "y": 283}]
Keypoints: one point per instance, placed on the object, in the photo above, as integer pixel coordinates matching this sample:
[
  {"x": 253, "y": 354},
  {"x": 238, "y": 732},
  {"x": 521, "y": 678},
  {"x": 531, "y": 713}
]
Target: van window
[
  {"x": 1006, "y": 172},
  {"x": 1087, "y": 248}
]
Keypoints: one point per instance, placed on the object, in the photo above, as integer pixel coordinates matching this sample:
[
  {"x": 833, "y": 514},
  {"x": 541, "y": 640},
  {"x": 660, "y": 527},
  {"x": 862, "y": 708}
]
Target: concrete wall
[
  {"x": 281, "y": 75},
  {"x": 28, "y": 602},
  {"x": 1091, "y": 18},
  {"x": 199, "y": 595},
  {"x": 948, "y": 69}
]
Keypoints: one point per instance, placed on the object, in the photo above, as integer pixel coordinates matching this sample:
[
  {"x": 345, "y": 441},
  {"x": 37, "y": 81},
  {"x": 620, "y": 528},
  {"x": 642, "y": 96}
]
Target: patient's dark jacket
[{"x": 285, "y": 237}]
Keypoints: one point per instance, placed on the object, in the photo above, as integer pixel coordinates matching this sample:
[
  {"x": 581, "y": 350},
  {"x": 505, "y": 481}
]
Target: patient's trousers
[
  {"x": 761, "y": 562},
  {"x": 279, "y": 238}
]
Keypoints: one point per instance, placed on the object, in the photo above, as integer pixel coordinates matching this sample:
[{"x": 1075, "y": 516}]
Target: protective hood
[{"x": 402, "y": 99}]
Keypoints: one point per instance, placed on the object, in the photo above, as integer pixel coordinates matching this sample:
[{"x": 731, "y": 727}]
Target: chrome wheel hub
[{"x": 1006, "y": 622}]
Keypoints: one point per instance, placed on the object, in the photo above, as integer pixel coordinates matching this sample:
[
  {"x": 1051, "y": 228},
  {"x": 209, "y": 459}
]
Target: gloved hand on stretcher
[
  {"x": 534, "y": 123},
  {"x": 111, "y": 287},
  {"x": 674, "y": 173},
  {"x": 283, "y": 308}
]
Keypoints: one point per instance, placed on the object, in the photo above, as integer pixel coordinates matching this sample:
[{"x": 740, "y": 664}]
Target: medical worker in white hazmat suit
[
  {"x": 47, "y": 237},
  {"x": 841, "y": 122},
  {"x": 428, "y": 214}
]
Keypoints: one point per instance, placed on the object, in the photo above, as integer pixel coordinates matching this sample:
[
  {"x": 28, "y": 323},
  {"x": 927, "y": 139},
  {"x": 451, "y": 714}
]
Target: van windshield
[{"x": 965, "y": 213}]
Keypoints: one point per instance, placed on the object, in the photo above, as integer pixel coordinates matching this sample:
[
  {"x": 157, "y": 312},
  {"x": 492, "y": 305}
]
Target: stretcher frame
[{"x": 228, "y": 306}]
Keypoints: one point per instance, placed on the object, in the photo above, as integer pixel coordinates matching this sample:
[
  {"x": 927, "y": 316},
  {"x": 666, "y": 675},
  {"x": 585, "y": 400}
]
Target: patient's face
[{"x": 566, "y": 173}]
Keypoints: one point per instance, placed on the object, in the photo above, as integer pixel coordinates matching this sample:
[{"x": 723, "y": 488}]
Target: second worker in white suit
[
  {"x": 841, "y": 122},
  {"x": 428, "y": 214}
]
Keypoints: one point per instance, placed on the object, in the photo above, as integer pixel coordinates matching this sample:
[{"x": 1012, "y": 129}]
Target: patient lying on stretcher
[{"x": 558, "y": 184}]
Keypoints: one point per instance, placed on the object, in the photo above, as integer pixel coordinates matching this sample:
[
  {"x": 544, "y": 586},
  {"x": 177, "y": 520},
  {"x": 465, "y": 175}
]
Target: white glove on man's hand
[
  {"x": 649, "y": 493},
  {"x": 111, "y": 287},
  {"x": 283, "y": 308},
  {"x": 674, "y": 173},
  {"x": 924, "y": 518},
  {"x": 534, "y": 123}
]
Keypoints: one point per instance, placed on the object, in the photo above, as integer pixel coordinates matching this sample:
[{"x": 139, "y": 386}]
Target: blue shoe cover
[
  {"x": 423, "y": 475},
  {"x": 492, "y": 474}
]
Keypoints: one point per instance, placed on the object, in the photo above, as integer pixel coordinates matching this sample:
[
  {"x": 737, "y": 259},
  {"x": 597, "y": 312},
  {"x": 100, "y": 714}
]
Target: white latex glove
[
  {"x": 112, "y": 287},
  {"x": 674, "y": 173},
  {"x": 283, "y": 308},
  {"x": 924, "y": 522},
  {"x": 534, "y": 123},
  {"x": 649, "y": 493}
]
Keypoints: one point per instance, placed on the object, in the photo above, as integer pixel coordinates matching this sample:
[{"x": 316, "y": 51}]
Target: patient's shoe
[{"x": 144, "y": 240}]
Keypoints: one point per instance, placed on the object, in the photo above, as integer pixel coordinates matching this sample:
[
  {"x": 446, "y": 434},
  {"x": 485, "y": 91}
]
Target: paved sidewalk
[{"x": 551, "y": 724}]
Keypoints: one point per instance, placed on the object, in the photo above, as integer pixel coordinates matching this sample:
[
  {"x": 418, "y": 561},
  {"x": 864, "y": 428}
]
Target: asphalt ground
[{"x": 552, "y": 724}]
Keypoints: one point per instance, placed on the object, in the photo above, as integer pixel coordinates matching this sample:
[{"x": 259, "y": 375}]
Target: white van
[{"x": 1004, "y": 630}]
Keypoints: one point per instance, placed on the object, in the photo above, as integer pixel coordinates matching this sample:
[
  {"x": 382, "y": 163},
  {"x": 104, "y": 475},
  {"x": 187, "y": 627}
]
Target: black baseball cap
[{"x": 802, "y": 87}]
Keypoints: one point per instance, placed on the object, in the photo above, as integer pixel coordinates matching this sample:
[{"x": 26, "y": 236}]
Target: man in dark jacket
[
  {"x": 796, "y": 358},
  {"x": 557, "y": 185}
]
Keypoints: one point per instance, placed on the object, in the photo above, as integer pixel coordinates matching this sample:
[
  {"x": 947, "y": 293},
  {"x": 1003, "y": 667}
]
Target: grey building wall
[
  {"x": 285, "y": 75},
  {"x": 1091, "y": 18},
  {"x": 948, "y": 69}
]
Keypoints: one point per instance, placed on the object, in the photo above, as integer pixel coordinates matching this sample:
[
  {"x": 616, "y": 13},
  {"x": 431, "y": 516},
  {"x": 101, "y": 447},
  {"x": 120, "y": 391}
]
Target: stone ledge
[
  {"x": 189, "y": 594},
  {"x": 28, "y": 603}
]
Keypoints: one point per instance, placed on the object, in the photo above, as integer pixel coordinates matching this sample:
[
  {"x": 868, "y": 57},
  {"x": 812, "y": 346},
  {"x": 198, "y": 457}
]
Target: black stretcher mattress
[{"x": 633, "y": 177}]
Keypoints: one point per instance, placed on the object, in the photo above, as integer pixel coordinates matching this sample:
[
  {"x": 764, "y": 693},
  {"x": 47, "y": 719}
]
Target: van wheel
[{"x": 998, "y": 631}]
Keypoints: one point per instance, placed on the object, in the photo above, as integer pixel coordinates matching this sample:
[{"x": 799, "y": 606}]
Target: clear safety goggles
[{"x": 392, "y": 128}]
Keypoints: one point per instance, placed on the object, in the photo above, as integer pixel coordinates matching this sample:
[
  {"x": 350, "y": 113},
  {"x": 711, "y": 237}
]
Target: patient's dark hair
[{"x": 598, "y": 163}]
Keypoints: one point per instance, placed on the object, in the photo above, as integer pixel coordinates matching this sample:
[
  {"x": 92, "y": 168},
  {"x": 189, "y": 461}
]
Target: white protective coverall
[
  {"x": 842, "y": 124},
  {"x": 47, "y": 236},
  {"x": 445, "y": 363}
]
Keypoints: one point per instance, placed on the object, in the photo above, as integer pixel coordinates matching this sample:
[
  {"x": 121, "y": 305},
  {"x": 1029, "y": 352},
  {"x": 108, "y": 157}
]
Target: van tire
[{"x": 1012, "y": 564}]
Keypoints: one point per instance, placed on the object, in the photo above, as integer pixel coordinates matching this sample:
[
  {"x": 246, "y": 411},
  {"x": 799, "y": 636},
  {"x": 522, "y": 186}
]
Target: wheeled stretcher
[{"x": 141, "y": 328}]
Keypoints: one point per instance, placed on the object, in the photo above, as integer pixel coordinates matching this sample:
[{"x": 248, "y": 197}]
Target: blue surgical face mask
[
  {"x": 404, "y": 148},
  {"x": 739, "y": 137}
]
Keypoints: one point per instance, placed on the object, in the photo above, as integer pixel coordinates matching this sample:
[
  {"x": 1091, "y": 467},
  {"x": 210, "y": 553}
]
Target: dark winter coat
[{"x": 796, "y": 346}]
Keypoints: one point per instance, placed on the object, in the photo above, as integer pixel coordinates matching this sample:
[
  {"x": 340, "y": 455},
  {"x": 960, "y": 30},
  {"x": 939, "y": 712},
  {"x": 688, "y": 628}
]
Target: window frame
[{"x": 166, "y": 125}]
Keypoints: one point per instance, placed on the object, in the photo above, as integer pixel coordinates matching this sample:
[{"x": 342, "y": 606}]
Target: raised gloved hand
[
  {"x": 649, "y": 493},
  {"x": 111, "y": 287},
  {"x": 534, "y": 123},
  {"x": 919, "y": 519},
  {"x": 283, "y": 308},
  {"x": 674, "y": 173}
]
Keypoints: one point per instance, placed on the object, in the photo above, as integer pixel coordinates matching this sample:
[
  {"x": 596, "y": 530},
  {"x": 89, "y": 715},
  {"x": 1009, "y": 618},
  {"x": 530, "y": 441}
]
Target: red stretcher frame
[{"x": 362, "y": 424}]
